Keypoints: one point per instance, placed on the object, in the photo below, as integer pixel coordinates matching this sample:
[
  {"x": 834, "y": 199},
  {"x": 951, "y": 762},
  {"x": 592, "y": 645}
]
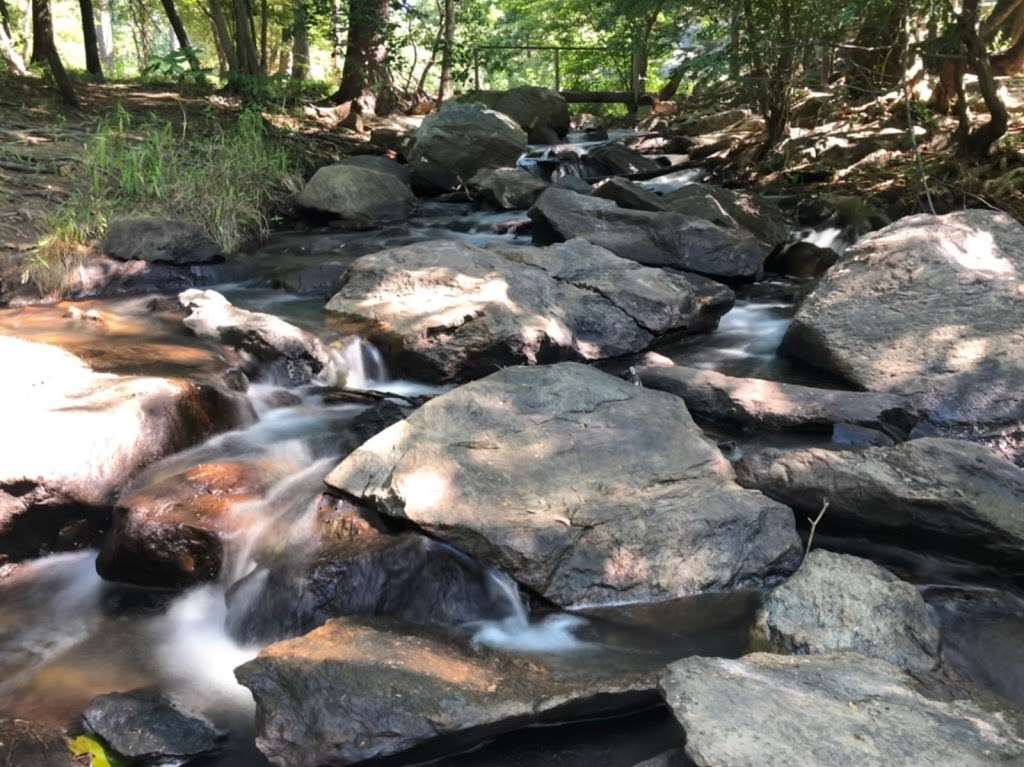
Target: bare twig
[{"x": 814, "y": 526}]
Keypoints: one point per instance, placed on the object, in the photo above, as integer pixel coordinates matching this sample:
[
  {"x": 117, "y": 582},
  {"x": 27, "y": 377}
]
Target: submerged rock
[
  {"x": 160, "y": 239},
  {"x": 541, "y": 112},
  {"x": 81, "y": 436},
  {"x": 146, "y": 726},
  {"x": 267, "y": 343},
  {"x": 616, "y": 159},
  {"x": 33, "y": 745},
  {"x": 355, "y": 690},
  {"x": 506, "y": 188},
  {"x": 801, "y": 259},
  {"x": 931, "y": 306},
  {"x": 529, "y": 469},
  {"x": 752, "y": 403},
  {"x": 650, "y": 238},
  {"x": 839, "y": 603},
  {"x": 941, "y": 494},
  {"x": 841, "y": 709},
  {"x": 460, "y": 139},
  {"x": 455, "y": 311},
  {"x": 357, "y": 195}
]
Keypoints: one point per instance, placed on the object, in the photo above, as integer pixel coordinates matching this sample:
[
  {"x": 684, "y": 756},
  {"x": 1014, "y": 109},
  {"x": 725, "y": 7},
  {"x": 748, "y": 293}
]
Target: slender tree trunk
[
  {"x": 337, "y": 44},
  {"x": 223, "y": 35},
  {"x": 105, "y": 30},
  {"x": 9, "y": 53},
  {"x": 5, "y": 19},
  {"x": 300, "y": 42},
  {"x": 447, "y": 88},
  {"x": 422, "y": 82},
  {"x": 180, "y": 33},
  {"x": 366, "y": 52},
  {"x": 735, "y": 55},
  {"x": 38, "y": 52},
  {"x": 248, "y": 58},
  {"x": 264, "y": 53},
  {"x": 42, "y": 24},
  {"x": 980, "y": 140},
  {"x": 92, "y": 50}
]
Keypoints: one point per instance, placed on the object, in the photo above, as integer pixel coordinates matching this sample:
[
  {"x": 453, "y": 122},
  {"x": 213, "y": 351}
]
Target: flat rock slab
[
  {"x": 931, "y": 306},
  {"x": 270, "y": 346},
  {"x": 651, "y": 238},
  {"x": 81, "y": 436},
  {"x": 839, "y": 603},
  {"x": 753, "y": 403},
  {"x": 354, "y": 690},
  {"x": 162, "y": 240},
  {"x": 457, "y": 312},
  {"x": 585, "y": 488},
  {"x": 843, "y": 710},
  {"x": 147, "y": 726},
  {"x": 939, "y": 494}
]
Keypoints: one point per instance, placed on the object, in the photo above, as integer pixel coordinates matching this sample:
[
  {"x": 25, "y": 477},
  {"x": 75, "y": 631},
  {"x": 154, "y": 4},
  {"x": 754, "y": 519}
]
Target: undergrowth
[{"x": 226, "y": 179}]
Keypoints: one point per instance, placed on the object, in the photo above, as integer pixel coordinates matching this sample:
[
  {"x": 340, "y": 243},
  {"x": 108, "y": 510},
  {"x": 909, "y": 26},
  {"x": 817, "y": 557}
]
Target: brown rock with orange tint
[
  {"x": 354, "y": 690},
  {"x": 172, "y": 533}
]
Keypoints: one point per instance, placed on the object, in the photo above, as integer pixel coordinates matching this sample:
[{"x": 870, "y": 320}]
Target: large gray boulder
[
  {"x": 650, "y": 238},
  {"x": 615, "y": 159},
  {"x": 729, "y": 208},
  {"x": 943, "y": 494},
  {"x": 456, "y": 312},
  {"x": 627, "y": 194},
  {"x": 357, "y": 195},
  {"x": 753, "y": 403},
  {"x": 583, "y": 487},
  {"x": 379, "y": 163},
  {"x": 839, "y": 603},
  {"x": 354, "y": 690},
  {"x": 269, "y": 345},
  {"x": 162, "y": 240},
  {"x": 843, "y": 710},
  {"x": 460, "y": 139},
  {"x": 81, "y": 436},
  {"x": 539, "y": 111},
  {"x": 931, "y": 306},
  {"x": 506, "y": 188}
]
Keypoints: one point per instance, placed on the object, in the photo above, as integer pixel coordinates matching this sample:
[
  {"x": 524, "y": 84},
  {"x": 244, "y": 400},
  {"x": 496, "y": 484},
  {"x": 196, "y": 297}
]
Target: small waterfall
[{"x": 364, "y": 363}]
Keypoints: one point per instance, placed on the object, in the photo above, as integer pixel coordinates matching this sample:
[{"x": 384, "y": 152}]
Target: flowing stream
[{"x": 66, "y": 635}]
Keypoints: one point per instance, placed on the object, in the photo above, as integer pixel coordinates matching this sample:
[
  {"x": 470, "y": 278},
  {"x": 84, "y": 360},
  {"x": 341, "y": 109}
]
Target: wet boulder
[
  {"x": 359, "y": 570},
  {"x": 726, "y": 207},
  {"x": 651, "y": 238},
  {"x": 459, "y": 140},
  {"x": 355, "y": 690},
  {"x": 801, "y": 259},
  {"x": 942, "y": 495},
  {"x": 840, "y": 603},
  {"x": 614, "y": 159},
  {"x": 838, "y": 709},
  {"x": 146, "y": 727},
  {"x": 173, "y": 533},
  {"x": 81, "y": 436},
  {"x": 627, "y": 194},
  {"x": 357, "y": 195},
  {"x": 506, "y": 188},
  {"x": 454, "y": 312},
  {"x": 162, "y": 240},
  {"x": 585, "y": 488},
  {"x": 931, "y": 306},
  {"x": 753, "y": 403},
  {"x": 541, "y": 112},
  {"x": 269, "y": 345}
]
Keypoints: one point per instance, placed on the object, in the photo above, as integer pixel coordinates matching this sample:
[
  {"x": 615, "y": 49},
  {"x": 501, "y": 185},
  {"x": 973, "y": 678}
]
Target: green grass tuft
[{"x": 226, "y": 179}]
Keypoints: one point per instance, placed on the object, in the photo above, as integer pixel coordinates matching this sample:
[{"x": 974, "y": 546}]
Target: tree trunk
[
  {"x": 447, "y": 89},
  {"x": 248, "y": 58},
  {"x": 223, "y": 35},
  {"x": 12, "y": 59},
  {"x": 42, "y": 26},
  {"x": 300, "y": 42},
  {"x": 180, "y": 33},
  {"x": 5, "y": 19},
  {"x": 735, "y": 54},
  {"x": 105, "y": 31},
  {"x": 669, "y": 89},
  {"x": 337, "y": 44},
  {"x": 264, "y": 53},
  {"x": 366, "y": 52},
  {"x": 92, "y": 50},
  {"x": 980, "y": 140}
]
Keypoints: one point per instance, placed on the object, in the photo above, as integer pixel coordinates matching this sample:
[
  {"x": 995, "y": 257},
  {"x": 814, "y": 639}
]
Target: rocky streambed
[{"x": 513, "y": 466}]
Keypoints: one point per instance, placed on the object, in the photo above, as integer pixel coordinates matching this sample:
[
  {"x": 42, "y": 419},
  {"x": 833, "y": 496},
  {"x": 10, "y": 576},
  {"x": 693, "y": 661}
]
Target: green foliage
[
  {"x": 86, "y": 745},
  {"x": 175, "y": 67},
  {"x": 278, "y": 91},
  {"x": 227, "y": 179}
]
